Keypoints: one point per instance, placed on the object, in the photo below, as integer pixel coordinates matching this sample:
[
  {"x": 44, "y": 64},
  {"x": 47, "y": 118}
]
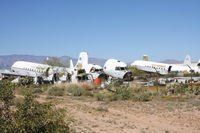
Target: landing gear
[{"x": 38, "y": 80}]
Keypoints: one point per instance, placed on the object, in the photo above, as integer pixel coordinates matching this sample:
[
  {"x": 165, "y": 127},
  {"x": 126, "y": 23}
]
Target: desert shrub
[
  {"x": 56, "y": 91},
  {"x": 124, "y": 92},
  {"x": 32, "y": 116},
  {"x": 138, "y": 73},
  {"x": 141, "y": 94},
  {"x": 177, "y": 88},
  {"x": 88, "y": 93},
  {"x": 7, "y": 123},
  {"x": 28, "y": 116},
  {"x": 18, "y": 101},
  {"x": 183, "y": 89},
  {"x": 195, "y": 90},
  {"x": 34, "y": 89},
  {"x": 79, "y": 90},
  {"x": 25, "y": 81},
  {"x": 37, "y": 90},
  {"x": 111, "y": 97},
  {"x": 87, "y": 86},
  {"x": 99, "y": 97},
  {"x": 162, "y": 91},
  {"x": 72, "y": 86},
  {"x": 102, "y": 109}
]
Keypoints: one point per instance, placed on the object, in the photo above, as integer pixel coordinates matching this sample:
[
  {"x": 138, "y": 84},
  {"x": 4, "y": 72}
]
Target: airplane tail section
[
  {"x": 71, "y": 65},
  {"x": 198, "y": 64},
  {"x": 145, "y": 58},
  {"x": 187, "y": 60},
  {"x": 82, "y": 60}
]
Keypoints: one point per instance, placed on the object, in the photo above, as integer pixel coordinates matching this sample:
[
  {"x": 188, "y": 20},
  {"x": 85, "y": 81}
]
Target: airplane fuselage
[{"x": 29, "y": 68}]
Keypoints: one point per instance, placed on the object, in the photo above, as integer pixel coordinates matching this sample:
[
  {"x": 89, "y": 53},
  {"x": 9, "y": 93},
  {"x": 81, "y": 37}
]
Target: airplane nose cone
[{"x": 128, "y": 76}]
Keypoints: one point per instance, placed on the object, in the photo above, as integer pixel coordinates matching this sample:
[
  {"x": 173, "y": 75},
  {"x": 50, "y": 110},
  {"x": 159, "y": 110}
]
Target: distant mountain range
[{"x": 6, "y": 61}]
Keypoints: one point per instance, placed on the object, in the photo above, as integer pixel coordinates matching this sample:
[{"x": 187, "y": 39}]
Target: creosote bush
[
  {"x": 56, "y": 91},
  {"x": 79, "y": 90},
  {"x": 183, "y": 89},
  {"x": 141, "y": 94},
  {"x": 124, "y": 92},
  {"x": 28, "y": 116}
]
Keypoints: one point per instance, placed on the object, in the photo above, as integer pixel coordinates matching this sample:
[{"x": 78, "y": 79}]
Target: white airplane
[
  {"x": 153, "y": 67},
  {"x": 40, "y": 72},
  {"x": 117, "y": 70},
  {"x": 92, "y": 70},
  {"x": 164, "y": 68}
]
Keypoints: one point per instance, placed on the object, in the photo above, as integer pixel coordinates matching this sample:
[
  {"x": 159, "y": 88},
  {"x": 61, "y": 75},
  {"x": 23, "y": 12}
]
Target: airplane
[
  {"x": 187, "y": 66},
  {"x": 153, "y": 67},
  {"x": 40, "y": 72},
  {"x": 94, "y": 72},
  {"x": 117, "y": 70},
  {"x": 164, "y": 68}
]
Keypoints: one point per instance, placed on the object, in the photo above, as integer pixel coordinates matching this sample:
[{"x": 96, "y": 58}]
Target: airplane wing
[{"x": 11, "y": 73}]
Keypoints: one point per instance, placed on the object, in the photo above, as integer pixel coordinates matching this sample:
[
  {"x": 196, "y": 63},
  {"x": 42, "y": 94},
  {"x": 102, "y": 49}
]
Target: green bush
[
  {"x": 26, "y": 81},
  {"x": 37, "y": 90},
  {"x": 56, "y": 91},
  {"x": 102, "y": 109},
  {"x": 195, "y": 90},
  {"x": 28, "y": 116},
  {"x": 32, "y": 116},
  {"x": 7, "y": 123},
  {"x": 177, "y": 88},
  {"x": 112, "y": 97},
  {"x": 18, "y": 101},
  {"x": 141, "y": 95},
  {"x": 76, "y": 90},
  {"x": 99, "y": 97},
  {"x": 124, "y": 92}
]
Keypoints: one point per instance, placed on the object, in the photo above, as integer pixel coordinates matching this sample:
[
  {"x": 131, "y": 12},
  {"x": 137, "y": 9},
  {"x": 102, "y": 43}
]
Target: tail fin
[
  {"x": 198, "y": 64},
  {"x": 71, "y": 65},
  {"x": 145, "y": 58},
  {"x": 187, "y": 60},
  {"x": 82, "y": 60}
]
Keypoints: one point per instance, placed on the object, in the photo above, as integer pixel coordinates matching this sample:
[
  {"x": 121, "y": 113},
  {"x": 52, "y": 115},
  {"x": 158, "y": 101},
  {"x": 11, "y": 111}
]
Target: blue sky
[{"x": 122, "y": 29}]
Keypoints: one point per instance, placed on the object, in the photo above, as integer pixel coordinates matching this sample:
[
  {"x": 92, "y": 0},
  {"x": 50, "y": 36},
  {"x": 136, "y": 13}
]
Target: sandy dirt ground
[{"x": 157, "y": 116}]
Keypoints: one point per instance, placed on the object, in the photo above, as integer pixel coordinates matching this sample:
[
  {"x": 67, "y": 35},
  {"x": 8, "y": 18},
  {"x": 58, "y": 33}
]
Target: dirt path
[{"x": 128, "y": 117}]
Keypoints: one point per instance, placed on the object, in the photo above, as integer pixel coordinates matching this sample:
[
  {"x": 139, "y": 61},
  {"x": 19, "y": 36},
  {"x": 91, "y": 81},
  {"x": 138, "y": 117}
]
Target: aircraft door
[{"x": 169, "y": 69}]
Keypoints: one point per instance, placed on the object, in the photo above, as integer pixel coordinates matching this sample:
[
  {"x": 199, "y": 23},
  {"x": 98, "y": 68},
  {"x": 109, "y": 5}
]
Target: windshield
[
  {"x": 121, "y": 68},
  {"x": 96, "y": 70}
]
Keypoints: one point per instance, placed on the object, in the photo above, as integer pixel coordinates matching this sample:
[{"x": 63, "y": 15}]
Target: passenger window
[
  {"x": 122, "y": 68},
  {"x": 117, "y": 68}
]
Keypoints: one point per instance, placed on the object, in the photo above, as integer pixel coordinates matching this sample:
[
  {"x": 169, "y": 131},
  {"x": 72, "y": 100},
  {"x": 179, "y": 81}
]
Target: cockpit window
[
  {"x": 121, "y": 68},
  {"x": 117, "y": 68},
  {"x": 96, "y": 70},
  {"x": 198, "y": 64}
]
